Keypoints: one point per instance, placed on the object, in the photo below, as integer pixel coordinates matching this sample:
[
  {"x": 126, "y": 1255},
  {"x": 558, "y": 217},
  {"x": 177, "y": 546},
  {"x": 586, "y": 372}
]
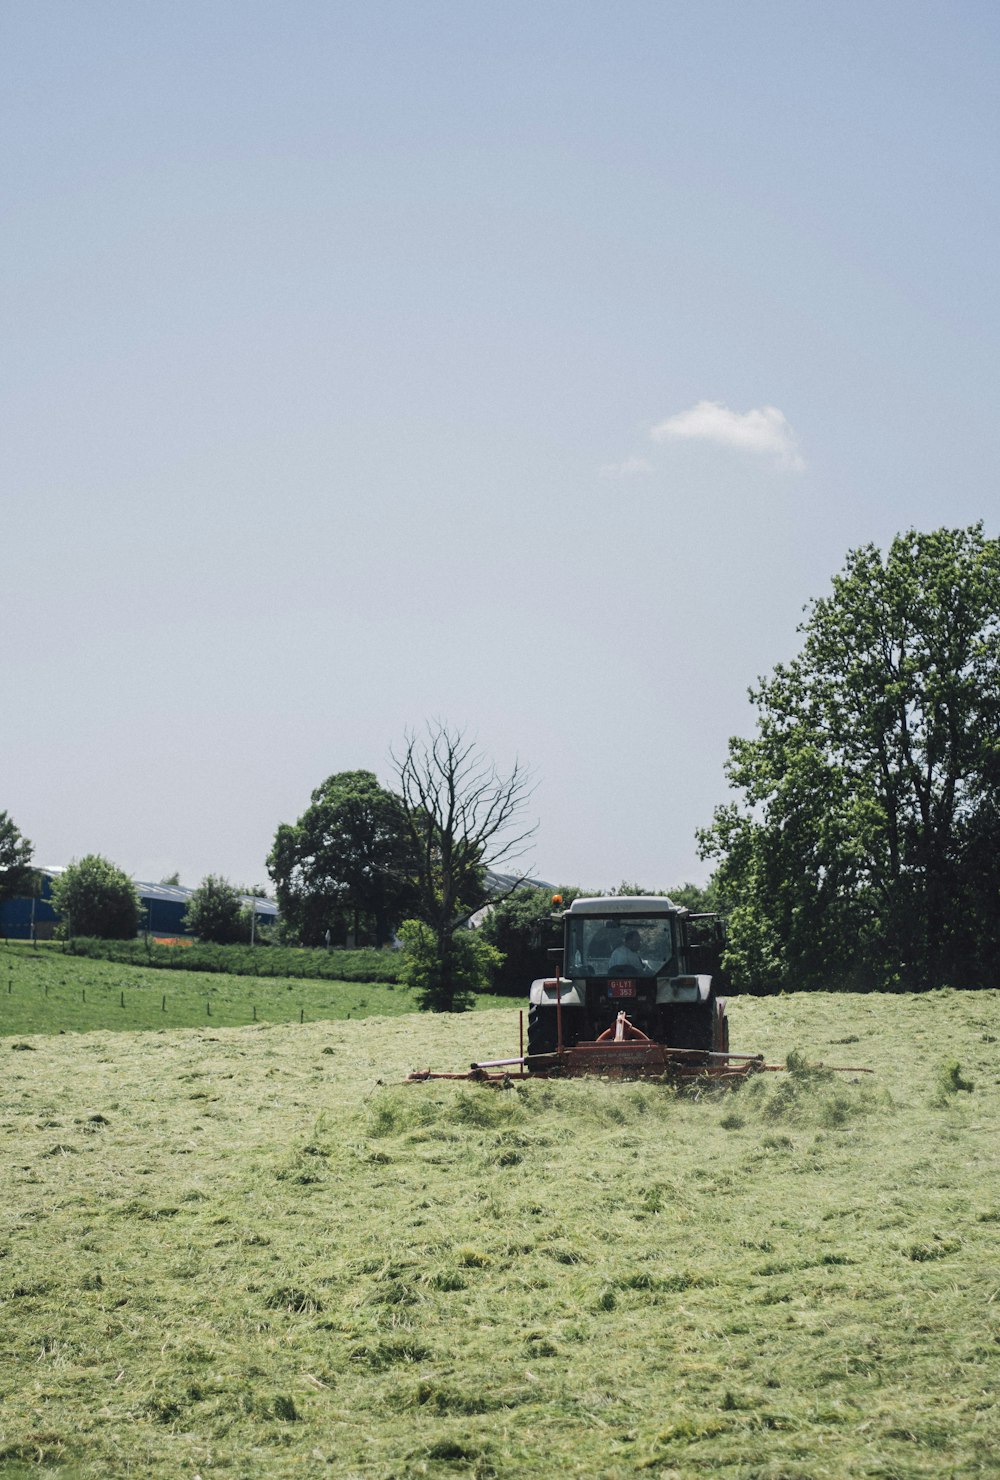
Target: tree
[
  {"x": 864, "y": 848},
  {"x": 253, "y": 891},
  {"x": 700, "y": 899},
  {"x": 15, "y": 859},
  {"x": 463, "y": 817},
  {"x": 215, "y": 912},
  {"x": 473, "y": 960},
  {"x": 524, "y": 926},
  {"x": 346, "y": 864},
  {"x": 96, "y": 898}
]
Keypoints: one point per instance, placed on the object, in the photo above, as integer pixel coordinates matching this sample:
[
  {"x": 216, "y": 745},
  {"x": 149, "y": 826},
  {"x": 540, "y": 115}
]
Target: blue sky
[{"x": 527, "y": 365}]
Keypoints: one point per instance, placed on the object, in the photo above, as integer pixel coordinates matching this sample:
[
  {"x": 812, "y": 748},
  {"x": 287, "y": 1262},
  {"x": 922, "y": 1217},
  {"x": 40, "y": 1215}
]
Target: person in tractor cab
[{"x": 626, "y": 956}]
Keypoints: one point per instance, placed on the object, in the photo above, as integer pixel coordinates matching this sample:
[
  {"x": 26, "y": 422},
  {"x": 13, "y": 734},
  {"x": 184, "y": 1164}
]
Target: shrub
[
  {"x": 216, "y": 913},
  {"x": 96, "y": 898},
  {"x": 441, "y": 986}
]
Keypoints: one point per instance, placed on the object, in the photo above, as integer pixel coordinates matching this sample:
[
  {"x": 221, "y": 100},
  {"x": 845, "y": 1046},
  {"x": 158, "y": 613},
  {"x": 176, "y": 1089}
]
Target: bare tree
[{"x": 464, "y": 817}]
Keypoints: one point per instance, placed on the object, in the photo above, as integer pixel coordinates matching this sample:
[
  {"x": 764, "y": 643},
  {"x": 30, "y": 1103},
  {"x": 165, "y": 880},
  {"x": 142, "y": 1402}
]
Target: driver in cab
[{"x": 626, "y": 956}]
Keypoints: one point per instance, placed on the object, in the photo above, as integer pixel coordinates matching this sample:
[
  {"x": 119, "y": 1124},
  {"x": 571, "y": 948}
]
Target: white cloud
[
  {"x": 630, "y": 468},
  {"x": 764, "y": 430}
]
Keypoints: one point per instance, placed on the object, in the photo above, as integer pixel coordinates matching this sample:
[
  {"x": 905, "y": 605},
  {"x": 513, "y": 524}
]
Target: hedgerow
[{"x": 366, "y": 965}]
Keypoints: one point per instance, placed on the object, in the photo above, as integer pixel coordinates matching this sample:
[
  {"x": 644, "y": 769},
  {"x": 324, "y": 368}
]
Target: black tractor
[{"x": 641, "y": 955}]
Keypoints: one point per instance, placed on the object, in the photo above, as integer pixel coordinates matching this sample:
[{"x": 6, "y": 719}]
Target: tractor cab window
[{"x": 619, "y": 945}]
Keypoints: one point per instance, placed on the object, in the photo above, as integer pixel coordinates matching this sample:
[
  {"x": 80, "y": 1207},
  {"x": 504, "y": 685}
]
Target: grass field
[
  {"x": 362, "y": 965},
  {"x": 43, "y": 991},
  {"x": 251, "y": 1252}
]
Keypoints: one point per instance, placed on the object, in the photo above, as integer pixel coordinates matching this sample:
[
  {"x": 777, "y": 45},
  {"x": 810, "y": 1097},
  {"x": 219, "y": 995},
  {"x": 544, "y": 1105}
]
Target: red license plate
[{"x": 621, "y": 988}]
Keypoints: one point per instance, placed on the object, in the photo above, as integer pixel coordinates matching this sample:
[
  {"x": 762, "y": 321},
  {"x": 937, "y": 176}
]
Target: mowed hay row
[{"x": 256, "y": 1251}]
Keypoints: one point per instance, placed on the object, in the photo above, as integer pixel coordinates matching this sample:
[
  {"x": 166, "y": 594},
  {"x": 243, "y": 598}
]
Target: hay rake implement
[{"x": 622, "y": 1051}]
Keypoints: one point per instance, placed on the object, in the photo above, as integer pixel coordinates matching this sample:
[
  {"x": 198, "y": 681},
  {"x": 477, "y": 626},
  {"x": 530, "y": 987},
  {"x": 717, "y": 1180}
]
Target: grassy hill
[
  {"x": 44, "y": 991},
  {"x": 253, "y": 1252}
]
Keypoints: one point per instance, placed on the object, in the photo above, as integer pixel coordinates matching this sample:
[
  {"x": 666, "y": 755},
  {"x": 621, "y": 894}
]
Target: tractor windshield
[{"x": 619, "y": 945}]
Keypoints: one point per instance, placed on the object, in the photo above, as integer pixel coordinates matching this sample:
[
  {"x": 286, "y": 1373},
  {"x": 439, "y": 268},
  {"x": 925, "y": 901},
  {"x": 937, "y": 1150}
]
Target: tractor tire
[
  {"x": 542, "y": 1030},
  {"x": 692, "y": 1025}
]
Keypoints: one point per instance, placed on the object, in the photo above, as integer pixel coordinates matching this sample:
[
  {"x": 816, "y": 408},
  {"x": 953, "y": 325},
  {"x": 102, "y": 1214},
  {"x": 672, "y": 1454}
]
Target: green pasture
[
  {"x": 44, "y": 991},
  {"x": 254, "y": 1252},
  {"x": 362, "y": 965}
]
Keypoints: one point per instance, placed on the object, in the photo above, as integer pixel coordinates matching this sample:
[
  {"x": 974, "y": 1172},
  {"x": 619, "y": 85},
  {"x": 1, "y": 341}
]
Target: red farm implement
[{"x": 622, "y": 1051}]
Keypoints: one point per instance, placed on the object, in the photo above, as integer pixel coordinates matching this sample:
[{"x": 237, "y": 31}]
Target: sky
[{"x": 525, "y": 367}]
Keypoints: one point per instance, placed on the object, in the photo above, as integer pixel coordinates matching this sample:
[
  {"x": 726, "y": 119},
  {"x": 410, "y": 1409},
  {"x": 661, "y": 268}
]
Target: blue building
[{"x": 162, "y": 910}]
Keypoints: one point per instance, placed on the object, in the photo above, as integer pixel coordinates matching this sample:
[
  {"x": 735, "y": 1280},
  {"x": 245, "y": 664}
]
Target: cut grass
[
  {"x": 44, "y": 991},
  {"x": 247, "y": 1252}
]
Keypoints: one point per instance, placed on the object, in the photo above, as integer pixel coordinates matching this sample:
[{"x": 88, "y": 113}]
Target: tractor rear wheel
[
  {"x": 691, "y": 1026},
  {"x": 542, "y": 1033},
  {"x": 543, "y": 1028}
]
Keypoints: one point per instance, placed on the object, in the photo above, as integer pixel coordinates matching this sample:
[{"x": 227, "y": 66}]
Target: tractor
[
  {"x": 635, "y": 970},
  {"x": 637, "y": 996}
]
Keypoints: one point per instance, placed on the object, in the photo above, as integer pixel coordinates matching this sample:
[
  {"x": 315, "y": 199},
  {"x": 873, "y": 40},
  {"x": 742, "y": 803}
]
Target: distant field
[
  {"x": 44, "y": 991},
  {"x": 363, "y": 965},
  {"x": 252, "y": 1252}
]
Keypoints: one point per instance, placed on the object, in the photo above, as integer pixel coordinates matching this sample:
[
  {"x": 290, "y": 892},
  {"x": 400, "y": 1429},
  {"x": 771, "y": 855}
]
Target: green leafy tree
[
  {"x": 463, "y": 818},
  {"x": 701, "y": 899},
  {"x": 15, "y": 860},
  {"x": 524, "y": 926},
  {"x": 471, "y": 961},
  {"x": 863, "y": 848},
  {"x": 94, "y": 897},
  {"x": 346, "y": 864},
  {"x": 216, "y": 912}
]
